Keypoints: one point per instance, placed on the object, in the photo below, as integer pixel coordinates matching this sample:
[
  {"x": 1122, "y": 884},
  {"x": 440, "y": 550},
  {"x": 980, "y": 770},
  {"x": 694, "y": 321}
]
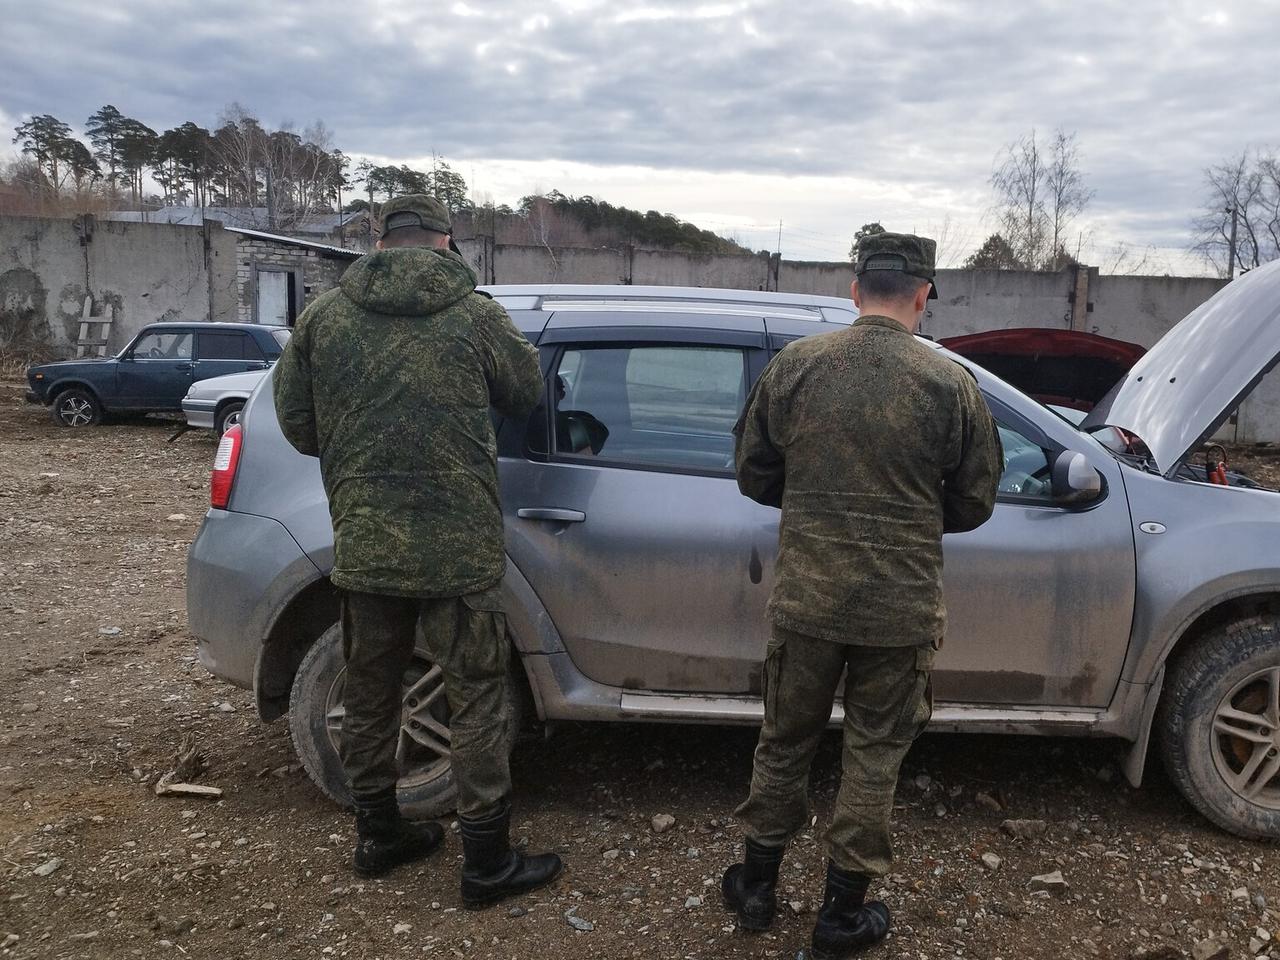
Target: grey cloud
[{"x": 923, "y": 91}]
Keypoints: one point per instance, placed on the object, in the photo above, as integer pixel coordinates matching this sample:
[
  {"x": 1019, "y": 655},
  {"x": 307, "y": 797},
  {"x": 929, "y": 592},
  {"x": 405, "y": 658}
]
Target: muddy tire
[
  {"x": 426, "y": 788},
  {"x": 1219, "y": 727},
  {"x": 76, "y": 407}
]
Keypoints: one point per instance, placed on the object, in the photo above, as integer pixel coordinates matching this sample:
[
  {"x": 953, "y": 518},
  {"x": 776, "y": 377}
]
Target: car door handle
[
  {"x": 256, "y": 365},
  {"x": 184, "y": 366},
  {"x": 551, "y": 513}
]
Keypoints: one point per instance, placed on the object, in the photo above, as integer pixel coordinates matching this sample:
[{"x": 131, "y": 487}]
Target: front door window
[{"x": 163, "y": 345}]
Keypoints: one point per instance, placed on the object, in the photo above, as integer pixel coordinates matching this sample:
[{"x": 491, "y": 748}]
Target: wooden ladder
[{"x": 95, "y": 340}]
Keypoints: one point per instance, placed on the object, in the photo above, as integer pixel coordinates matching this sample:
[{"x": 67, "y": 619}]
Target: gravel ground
[{"x": 99, "y": 684}]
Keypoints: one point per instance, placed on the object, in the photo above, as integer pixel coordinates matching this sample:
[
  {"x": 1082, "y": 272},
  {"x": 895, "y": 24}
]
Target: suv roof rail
[
  {"x": 545, "y": 296},
  {"x": 794, "y": 311}
]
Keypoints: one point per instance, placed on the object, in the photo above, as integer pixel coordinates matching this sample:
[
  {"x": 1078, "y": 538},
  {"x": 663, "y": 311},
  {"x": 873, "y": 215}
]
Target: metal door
[
  {"x": 156, "y": 372},
  {"x": 1040, "y": 598},
  {"x": 273, "y": 297},
  {"x": 656, "y": 574},
  {"x": 655, "y": 581}
]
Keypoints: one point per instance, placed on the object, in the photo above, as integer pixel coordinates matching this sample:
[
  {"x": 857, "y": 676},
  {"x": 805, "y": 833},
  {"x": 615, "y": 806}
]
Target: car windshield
[{"x": 282, "y": 337}]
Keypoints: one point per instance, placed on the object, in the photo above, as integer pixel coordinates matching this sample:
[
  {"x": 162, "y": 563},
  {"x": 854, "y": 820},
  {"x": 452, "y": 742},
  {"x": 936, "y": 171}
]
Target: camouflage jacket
[
  {"x": 389, "y": 379},
  {"x": 874, "y": 445}
]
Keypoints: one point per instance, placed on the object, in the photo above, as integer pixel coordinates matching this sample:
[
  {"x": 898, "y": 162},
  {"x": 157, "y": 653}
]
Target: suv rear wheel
[
  {"x": 1220, "y": 727},
  {"x": 426, "y": 788}
]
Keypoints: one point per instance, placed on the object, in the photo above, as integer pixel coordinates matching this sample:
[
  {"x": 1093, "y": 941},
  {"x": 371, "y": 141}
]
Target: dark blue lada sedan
[{"x": 153, "y": 373}]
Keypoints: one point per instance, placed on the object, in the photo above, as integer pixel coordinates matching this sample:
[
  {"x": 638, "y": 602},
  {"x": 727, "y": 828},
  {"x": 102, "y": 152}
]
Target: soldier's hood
[{"x": 408, "y": 280}]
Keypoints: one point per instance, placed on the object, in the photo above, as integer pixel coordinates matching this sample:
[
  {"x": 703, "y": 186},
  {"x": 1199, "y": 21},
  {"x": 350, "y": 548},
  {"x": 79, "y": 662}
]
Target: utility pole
[
  {"x": 1231, "y": 252},
  {"x": 779, "y": 247}
]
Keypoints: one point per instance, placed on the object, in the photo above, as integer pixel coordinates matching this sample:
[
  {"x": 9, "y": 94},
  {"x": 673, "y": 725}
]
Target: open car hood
[
  {"x": 1177, "y": 395},
  {"x": 1064, "y": 367}
]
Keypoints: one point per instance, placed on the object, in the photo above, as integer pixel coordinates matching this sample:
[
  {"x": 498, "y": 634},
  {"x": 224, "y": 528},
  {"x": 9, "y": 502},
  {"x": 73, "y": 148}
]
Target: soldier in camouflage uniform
[
  {"x": 873, "y": 444},
  {"x": 389, "y": 380}
]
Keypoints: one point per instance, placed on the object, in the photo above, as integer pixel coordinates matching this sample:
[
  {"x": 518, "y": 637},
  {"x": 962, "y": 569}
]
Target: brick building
[{"x": 276, "y": 276}]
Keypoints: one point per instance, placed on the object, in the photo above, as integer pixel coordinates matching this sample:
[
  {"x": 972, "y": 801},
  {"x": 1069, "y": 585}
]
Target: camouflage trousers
[
  {"x": 466, "y": 638},
  {"x": 887, "y": 703}
]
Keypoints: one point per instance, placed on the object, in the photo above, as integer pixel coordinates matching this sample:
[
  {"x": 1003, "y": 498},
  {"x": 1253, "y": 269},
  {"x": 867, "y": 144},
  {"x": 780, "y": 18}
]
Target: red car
[{"x": 1065, "y": 368}]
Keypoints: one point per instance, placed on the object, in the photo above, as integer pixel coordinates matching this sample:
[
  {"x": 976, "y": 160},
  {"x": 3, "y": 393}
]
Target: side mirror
[{"x": 1074, "y": 480}]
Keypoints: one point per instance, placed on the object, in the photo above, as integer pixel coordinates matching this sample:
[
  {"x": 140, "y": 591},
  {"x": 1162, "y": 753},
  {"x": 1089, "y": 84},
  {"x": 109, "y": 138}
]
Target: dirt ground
[{"x": 99, "y": 682}]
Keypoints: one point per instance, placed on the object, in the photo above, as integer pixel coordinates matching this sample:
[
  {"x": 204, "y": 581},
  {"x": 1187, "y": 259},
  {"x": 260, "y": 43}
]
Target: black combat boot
[
  {"x": 847, "y": 923},
  {"x": 385, "y": 839},
  {"x": 491, "y": 870},
  {"x": 748, "y": 887}
]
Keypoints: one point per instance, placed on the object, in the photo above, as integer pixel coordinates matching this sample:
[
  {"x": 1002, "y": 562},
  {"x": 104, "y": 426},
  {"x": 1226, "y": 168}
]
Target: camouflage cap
[
  {"x": 415, "y": 210},
  {"x": 898, "y": 251}
]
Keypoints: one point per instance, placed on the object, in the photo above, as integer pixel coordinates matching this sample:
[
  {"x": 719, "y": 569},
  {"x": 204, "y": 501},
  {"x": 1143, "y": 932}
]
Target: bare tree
[
  {"x": 1019, "y": 184},
  {"x": 291, "y": 175},
  {"x": 1039, "y": 193},
  {"x": 1067, "y": 195},
  {"x": 1127, "y": 260},
  {"x": 1248, "y": 188},
  {"x": 239, "y": 145},
  {"x": 952, "y": 241}
]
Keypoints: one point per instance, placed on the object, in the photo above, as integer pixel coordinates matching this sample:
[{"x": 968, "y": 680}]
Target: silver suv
[{"x": 1119, "y": 590}]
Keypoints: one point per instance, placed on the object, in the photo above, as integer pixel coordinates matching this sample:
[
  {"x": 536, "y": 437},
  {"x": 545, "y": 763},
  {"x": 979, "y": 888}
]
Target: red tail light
[{"x": 224, "y": 466}]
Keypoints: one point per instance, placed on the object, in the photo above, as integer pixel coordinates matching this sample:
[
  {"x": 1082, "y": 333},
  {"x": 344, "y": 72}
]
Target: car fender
[
  {"x": 1200, "y": 548},
  {"x": 1150, "y": 653},
  {"x": 532, "y": 630},
  {"x": 1196, "y": 546},
  {"x": 1157, "y": 633},
  {"x": 532, "y": 633},
  {"x": 67, "y": 383},
  {"x": 228, "y": 398}
]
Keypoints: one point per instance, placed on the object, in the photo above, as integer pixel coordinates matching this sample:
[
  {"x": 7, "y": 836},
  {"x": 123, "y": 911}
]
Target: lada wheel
[
  {"x": 77, "y": 408},
  {"x": 426, "y": 787},
  {"x": 1220, "y": 727}
]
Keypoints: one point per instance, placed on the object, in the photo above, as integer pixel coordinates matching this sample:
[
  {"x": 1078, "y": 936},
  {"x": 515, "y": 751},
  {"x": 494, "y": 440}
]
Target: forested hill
[{"x": 558, "y": 220}]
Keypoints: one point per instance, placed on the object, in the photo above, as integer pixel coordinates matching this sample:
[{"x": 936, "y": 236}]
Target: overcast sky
[{"x": 733, "y": 115}]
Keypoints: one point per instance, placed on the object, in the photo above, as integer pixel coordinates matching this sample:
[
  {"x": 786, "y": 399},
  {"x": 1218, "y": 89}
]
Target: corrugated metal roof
[{"x": 295, "y": 242}]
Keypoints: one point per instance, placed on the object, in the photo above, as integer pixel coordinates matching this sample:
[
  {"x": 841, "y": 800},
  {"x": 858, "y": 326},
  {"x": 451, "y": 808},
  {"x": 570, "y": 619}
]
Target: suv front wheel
[
  {"x": 1220, "y": 726},
  {"x": 426, "y": 788}
]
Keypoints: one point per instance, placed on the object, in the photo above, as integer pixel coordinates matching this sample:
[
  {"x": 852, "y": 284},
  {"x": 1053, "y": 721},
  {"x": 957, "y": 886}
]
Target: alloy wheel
[
  {"x": 75, "y": 411},
  {"x": 1246, "y": 728},
  {"x": 424, "y": 745}
]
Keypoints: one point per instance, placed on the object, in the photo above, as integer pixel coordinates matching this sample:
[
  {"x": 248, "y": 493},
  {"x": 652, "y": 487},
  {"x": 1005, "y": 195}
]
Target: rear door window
[
  {"x": 656, "y": 407},
  {"x": 232, "y": 345}
]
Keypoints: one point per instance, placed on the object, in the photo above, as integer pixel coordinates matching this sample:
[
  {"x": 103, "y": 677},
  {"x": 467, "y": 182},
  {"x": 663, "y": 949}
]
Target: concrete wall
[
  {"x": 53, "y": 273},
  {"x": 503, "y": 263},
  {"x": 1142, "y": 309}
]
